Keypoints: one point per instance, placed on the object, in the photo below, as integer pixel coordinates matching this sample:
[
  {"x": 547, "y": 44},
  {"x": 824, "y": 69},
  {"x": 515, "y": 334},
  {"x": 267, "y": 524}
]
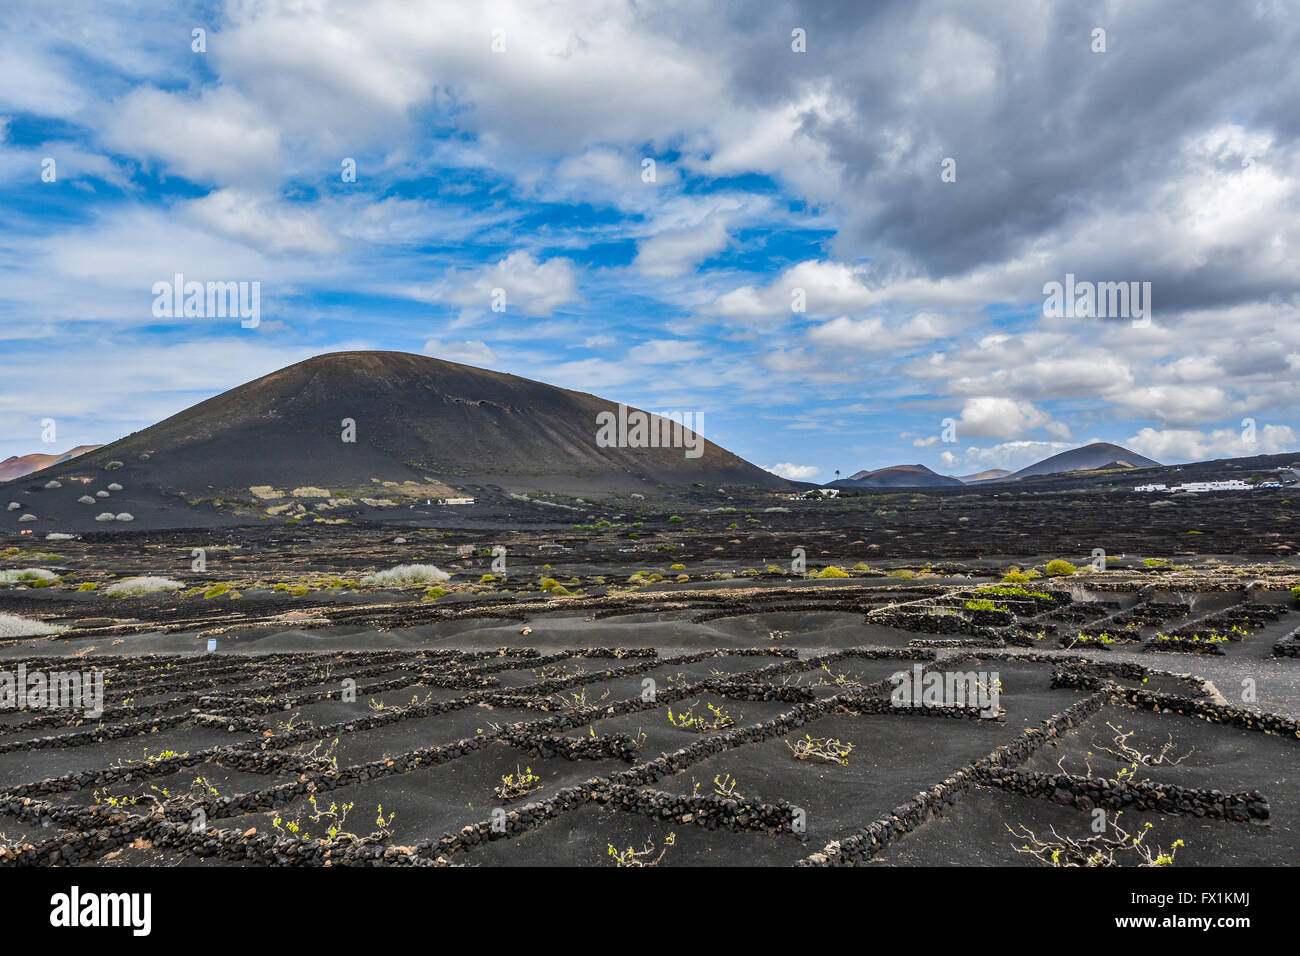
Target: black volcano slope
[
  {"x": 417, "y": 418},
  {"x": 1084, "y": 458}
]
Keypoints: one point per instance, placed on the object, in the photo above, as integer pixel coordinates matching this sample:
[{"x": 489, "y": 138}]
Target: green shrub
[
  {"x": 13, "y": 626},
  {"x": 138, "y": 587},
  {"x": 1059, "y": 569},
  {"x": 406, "y": 575},
  {"x": 34, "y": 577},
  {"x": 999, "y": 590},
  {"x": 217, "y": 590},
  {"x": 676, "y": 519},
  {"x": 831, "y": 571},
  {"x": 902, "y": 573}
]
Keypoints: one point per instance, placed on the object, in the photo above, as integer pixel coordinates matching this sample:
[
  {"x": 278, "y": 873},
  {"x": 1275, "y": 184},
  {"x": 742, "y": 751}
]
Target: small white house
[
  {"x": 1151, "y": 488},
  {"x": 455, "y": 501}
]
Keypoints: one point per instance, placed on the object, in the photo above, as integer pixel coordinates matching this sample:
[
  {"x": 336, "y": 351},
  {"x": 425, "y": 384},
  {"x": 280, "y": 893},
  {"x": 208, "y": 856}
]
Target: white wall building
[
  {"x": 1197, "y": 486},
  {"x": 1234, "y": 484}
]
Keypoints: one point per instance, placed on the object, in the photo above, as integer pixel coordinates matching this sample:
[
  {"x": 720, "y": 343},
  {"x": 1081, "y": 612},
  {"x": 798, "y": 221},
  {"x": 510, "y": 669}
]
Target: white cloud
[
  {"x": 994, "y": 417},
  {"x": 794, "y": 472},
  {"x": 531, "y": 287},
  {"x": 827, "y": 287},
  {"x": 874, "y": 335},
  {"x": 1190, "y": 444},
  {"x": 1178, "y": 404},
  {"x": 675, "y": 252},
  {"x": 217, "y": 136},
  {"x": 474, "y": 352},
  {"x": 264, "y": 222},
  {"x": 147, "y": 383},
  {"x": 568, "y": 78},
  {"x": 666, "y": 351},
  {"x": 1011, "y": 455}
]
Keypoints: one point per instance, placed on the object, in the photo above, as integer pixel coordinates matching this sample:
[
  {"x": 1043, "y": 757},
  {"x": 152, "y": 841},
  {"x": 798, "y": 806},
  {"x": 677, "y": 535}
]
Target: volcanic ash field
[{"x": 583, "y": 710}]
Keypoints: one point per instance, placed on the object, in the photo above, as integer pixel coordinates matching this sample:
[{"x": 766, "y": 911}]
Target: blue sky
[{"x": 1169, "y": 157}]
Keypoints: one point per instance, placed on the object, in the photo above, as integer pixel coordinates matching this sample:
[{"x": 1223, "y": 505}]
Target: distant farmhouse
[
  {"x": 1283, "y": 477},
  {"x": 1235, "y": 484}
]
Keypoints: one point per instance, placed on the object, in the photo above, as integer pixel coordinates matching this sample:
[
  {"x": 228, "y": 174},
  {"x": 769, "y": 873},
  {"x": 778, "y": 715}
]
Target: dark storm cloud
[{"x": 1046, "y": 133}]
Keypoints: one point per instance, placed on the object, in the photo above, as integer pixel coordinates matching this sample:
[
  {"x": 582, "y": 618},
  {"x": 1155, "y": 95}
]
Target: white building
[
  {"x": 455, "y": 501},
  {"x": 1234, "y": 484}
]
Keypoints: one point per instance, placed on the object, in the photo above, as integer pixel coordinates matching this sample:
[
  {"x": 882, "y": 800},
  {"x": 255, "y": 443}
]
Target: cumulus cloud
[
  {"x": 1002, "y": 418},
  {"x": 1190, "y": 444},
  {"x": 474, "y": 352},
  {"x": 875, "y": 335},
  {"x": 794, "y": 472},
  {"x": 1011, "y": 455},
  {"x": 665, "y": 351},
  {"x": 1178, "y": 404},
  {"x": 218, "y": 136},
  {"x": 531, "y": 286},
  {"x": 264, "y": 222},
  {"x": 674, "y": 252}
]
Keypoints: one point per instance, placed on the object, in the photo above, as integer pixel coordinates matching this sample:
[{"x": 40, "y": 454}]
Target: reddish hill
[{"x": 17, "y": 466}]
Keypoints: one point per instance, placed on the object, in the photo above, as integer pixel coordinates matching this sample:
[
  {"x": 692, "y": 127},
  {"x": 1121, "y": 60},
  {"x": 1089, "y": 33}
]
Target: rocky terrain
[{"x": 637, "y": 690}]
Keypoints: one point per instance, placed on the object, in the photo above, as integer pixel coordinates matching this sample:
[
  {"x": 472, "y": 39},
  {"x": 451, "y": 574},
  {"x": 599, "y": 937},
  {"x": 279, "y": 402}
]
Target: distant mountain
[
  {"x": 17, "y": 466},
  {"x": 1092, "y": 457},
  {"x": 897, "y": 476},
  {"x": 992, "y": 474}
]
